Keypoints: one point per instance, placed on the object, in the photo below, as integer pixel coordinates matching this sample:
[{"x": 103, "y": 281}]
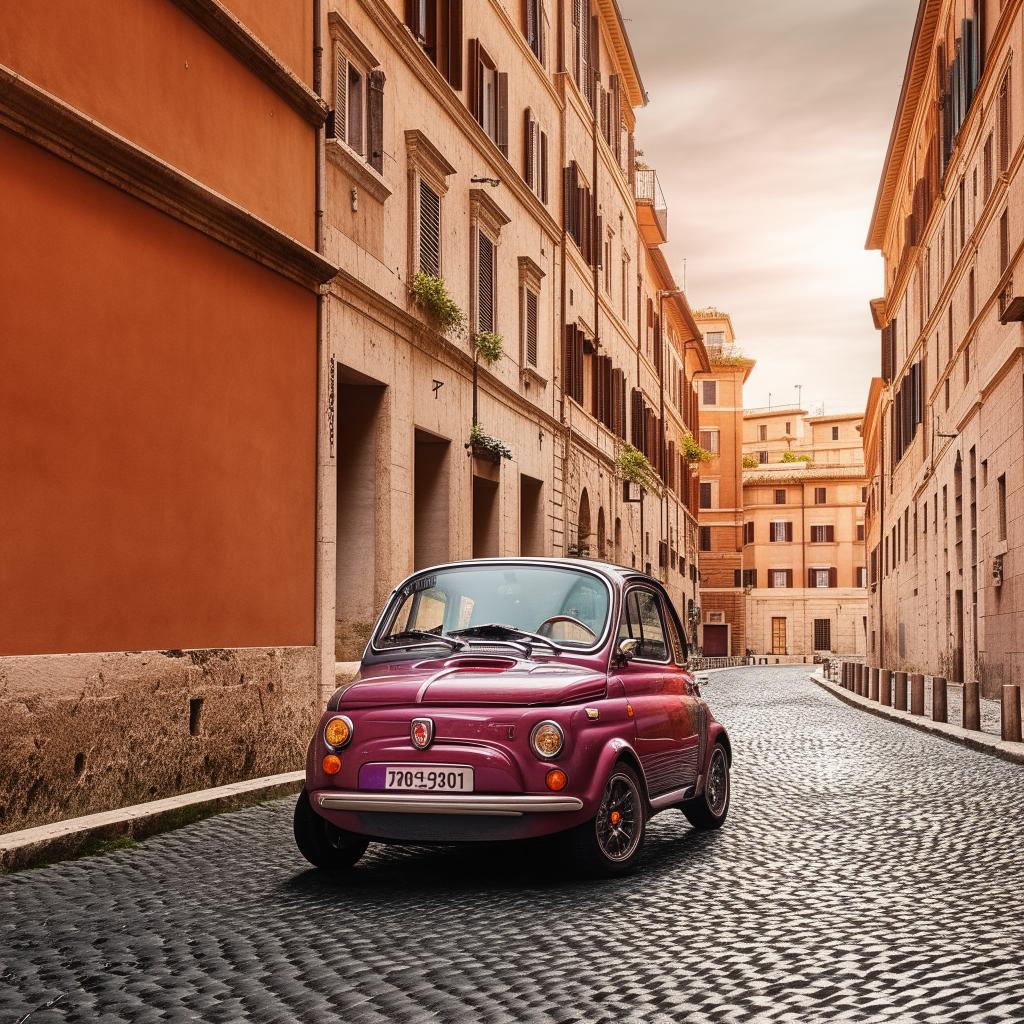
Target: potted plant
[
  {"x": 483, "y": 446},
  {"x": 431, "y": 295},
  {"x": 633, "y": 467},
  {"x": 692, "y": 452}
]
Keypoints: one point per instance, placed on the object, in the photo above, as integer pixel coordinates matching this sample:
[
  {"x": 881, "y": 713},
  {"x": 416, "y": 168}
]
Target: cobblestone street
[{"x": 868, "y": 872}]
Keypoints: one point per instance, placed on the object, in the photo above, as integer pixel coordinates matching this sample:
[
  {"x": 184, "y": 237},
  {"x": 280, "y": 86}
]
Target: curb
[
  {"x": 94, "y": 833},
  {"x": 986, "y": 743}
]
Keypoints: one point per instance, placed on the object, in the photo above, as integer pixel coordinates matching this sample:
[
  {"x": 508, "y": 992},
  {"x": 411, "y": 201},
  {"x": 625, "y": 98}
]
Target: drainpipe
[
  {"x": 881, "y": 539},
  {"x": 661, "y": 413},
  {"x": 563, "y": 323}
]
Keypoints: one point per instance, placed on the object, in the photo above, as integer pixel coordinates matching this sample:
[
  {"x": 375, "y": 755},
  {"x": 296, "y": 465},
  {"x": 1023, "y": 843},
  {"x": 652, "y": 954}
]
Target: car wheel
[
  {"x": 711, "y": 808},
  {"x": 610, "y": 842},
  {"x": 321, "y": 843}
]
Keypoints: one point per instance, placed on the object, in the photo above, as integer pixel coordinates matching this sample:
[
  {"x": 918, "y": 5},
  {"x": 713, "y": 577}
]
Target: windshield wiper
[
  {"x": 423, "y": 634},
  {"x": 499, "y": 629}
]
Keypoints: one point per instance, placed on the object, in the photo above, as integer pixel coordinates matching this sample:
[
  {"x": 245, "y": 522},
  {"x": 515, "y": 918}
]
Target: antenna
[
  {"x": 799, "y": 392},
  {"x": 684, "y": 273}
]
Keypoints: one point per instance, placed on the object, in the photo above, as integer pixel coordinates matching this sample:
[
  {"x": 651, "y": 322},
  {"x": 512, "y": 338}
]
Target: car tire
[
  {"x": 711, "y": 808},
  {"x": 608, "y": 846},
  {"x": 324, "y": 845}
]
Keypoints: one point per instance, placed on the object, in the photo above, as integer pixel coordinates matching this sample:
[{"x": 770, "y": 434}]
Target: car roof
[{"x": 611, "y": 571}]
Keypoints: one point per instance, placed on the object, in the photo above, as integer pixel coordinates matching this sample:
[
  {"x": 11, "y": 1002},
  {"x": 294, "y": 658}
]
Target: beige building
[
  {"x": 803, "y": 569},
  {"x": 720, "y": 496},
  {"x": 492, "y": 146},
  {"x": 944, "y": 422}
]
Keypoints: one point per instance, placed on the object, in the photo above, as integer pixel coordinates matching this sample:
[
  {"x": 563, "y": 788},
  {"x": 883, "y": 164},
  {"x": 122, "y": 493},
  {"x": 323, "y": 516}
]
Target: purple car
[{"x": 513, "y": 698}]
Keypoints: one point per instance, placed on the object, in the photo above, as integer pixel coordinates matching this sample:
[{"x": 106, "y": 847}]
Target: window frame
[{"x": 629, "y": 592}]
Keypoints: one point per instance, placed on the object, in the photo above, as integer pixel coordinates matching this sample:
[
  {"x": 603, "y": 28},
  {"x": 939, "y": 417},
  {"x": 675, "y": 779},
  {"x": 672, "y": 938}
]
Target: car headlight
[
  {"x": 547, "y": 739},
  {"x": 338, "y": 732}
]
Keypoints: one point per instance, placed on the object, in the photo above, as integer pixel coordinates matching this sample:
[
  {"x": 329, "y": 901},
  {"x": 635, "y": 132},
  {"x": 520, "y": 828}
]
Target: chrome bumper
[{"x": 462, "y": 803}]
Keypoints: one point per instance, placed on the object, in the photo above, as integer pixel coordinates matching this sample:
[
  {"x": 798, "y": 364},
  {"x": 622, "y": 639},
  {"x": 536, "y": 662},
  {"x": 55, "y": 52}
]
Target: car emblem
[{"x": 422, "y": 732}]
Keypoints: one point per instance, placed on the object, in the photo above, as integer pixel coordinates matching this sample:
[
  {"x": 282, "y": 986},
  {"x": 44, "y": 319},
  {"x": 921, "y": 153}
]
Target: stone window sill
[{"x": 358, "y": 169}]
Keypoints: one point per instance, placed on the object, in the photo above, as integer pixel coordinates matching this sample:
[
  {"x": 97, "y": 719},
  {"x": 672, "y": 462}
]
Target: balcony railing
[{"x": 649, "y": 193}]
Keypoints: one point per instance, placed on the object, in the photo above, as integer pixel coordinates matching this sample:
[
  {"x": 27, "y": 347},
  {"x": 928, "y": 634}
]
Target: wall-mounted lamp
[{"x": 480, "y": 180}]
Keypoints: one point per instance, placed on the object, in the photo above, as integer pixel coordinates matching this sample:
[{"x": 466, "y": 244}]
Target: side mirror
[{"x": 627, "y": 649}]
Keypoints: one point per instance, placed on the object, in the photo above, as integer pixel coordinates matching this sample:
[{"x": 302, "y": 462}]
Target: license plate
[{"x": 428, "y": 778}]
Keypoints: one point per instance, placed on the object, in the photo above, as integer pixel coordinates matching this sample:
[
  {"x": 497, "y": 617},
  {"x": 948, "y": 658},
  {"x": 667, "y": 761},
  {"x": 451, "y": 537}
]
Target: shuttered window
[
  {"x": 748, "y": 532},
  {"x": 488, "y": 95},
  {"x": 780, "y": 532},
  {"x": 780, "y": 497},
  {"x": 357, "y": 118},
  {"x": 705, "y": 494},
  {"x": 780, "y": 578},
  {"x": 530, "y": 303},
  {"x": 534, "y": 28},
  {"x": 437, "y": 26},
  {"x": 704, "y": 538},
  {"x": 1003, "y": 124},
  {"x": 535, "y": 157},
  {"x": 820, "y": 496},
  {"x": 578, "y": 213},
  {"x": 823, "y": 634},
  {"x": 572, "y": 363},
  {"x": 485, "y": 283},
  {"x": 430, "y": 230},
  {"x": 709, "y": 392},
  {"x": 823, "y": 534}
]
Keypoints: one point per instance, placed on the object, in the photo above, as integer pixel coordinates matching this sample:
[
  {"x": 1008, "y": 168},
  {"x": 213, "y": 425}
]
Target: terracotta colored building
[
  {"x": 497, "y": 154},
  {"x": 720, "y": 495},
  {"x": 158, "y": 399},
  {"x": 803, "y": 572},
  {"x": 945, "y": 420}
]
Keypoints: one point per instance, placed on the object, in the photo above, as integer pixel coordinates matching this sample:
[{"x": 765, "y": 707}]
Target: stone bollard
[
  {"x": 862, "y": 680},
  {"x": 1011, "y": 714},
  {"x": 885, "y": 687},
  {"x": 873, "y": 684},
  {"x": 900, "y": 686},
  {"x": 917, "y": 694},
  {"x": 972, "y": 706},
  {"x": 846, "y": 675},
  {"x": 856, "y": 679},
  {"x": 939, "y": 703}
]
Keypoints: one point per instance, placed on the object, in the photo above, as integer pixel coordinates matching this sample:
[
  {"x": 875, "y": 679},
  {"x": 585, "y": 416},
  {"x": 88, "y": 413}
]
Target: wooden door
[
  {"x": 778, "y": 635},
  {"x": 716, "y": 641}
]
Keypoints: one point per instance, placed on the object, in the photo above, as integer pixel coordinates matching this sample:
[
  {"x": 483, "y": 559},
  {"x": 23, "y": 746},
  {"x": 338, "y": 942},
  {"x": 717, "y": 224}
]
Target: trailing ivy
[
  {"x": 750, "y": 462},
  {"x": 489, "y": 347},
  {"x": 431, "y": 295},
  {"x": 632, "y": 465},
  {"x": 692, "y": 452},
  {"x": 481, "y": 443}
]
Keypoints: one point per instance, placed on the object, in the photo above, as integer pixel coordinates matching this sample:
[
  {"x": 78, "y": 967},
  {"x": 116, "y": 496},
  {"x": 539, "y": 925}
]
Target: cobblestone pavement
[{"x": 868, "y": 872}]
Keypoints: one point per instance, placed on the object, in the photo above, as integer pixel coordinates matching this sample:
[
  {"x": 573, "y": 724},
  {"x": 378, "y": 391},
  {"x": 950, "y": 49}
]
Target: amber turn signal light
[
  {"x": 557, "y": 780},
  {"x": 332, "y": 764}
]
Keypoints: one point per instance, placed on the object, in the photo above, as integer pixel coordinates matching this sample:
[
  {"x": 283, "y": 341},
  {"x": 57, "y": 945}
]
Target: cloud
[{"x": 768, "y": 124}]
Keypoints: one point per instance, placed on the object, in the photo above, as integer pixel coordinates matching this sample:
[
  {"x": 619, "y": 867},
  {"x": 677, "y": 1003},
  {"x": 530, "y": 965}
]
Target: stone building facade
[
  {"x": 491, "y": 145},
  {"x": 943, "y": 432},
  {"x": 720, "y": 494},
  {"x": 158, "y": 399},
  {"x": 804, "y": 492}
]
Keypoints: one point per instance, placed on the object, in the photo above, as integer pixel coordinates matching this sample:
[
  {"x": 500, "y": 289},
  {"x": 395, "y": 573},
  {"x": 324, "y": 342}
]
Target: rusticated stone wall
[{"x": 89, "y": 732}]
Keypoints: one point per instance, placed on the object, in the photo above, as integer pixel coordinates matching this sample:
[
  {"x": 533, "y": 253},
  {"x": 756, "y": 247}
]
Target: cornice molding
[
  {"x": 435, "y": 84},
  {"x": 52, "y": 124},
  {"x": 215, "y": 19},
  {"x": 342, "y": 32}
]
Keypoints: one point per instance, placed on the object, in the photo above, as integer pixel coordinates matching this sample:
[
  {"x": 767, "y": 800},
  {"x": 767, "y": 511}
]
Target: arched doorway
[
  {"x": 602, "y": 540},
  {"x": 583, "y": 529}
]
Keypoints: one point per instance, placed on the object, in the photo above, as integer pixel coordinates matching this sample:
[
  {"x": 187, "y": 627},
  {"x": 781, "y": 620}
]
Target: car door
[{"x": 654, "y": 686}]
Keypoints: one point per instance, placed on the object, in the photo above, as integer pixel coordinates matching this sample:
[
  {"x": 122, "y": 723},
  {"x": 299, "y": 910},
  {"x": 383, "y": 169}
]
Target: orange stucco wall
[
  {"x": 157, "y": 427},
  {"x": 284, "y": 26},
  {"x": 147, "y": 71}
]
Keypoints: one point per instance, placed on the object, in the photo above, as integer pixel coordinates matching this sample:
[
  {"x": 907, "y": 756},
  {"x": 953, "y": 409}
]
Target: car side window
[{"x": 642, "y": 621}]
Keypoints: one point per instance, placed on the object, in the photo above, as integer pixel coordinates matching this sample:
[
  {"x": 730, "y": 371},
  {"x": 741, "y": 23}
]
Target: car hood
[{"x": 504, "y": 683}]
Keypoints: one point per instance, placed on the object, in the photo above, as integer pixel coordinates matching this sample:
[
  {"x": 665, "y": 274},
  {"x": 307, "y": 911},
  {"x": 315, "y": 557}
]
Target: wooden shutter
[
  {"x": 594, "y": 60},
  {"x": 833, "y": 577},
  {"x": 631, "y": 156},
  {"x": 543, "y": 167},
  {"x": 430, "y": 230},
  {"x": 789, "y": 578},
  {"x": 812, "y": 580},
  {"x": 1004, "y": 124},
  {"x": 830, "y": 534},
  {"x": 530, "y": 306},
  {"x": 530, "y": 143},
  {"x": 886, "y": 350},
  {"x": 340, "y": 96},
  {"x": 597, "y": 245},
  {"x": 616, "y": 115},
  {"x": 375, "y": 120},
  {"x": 531, "y": 29},
  {"x": 452, "y": 31},
  {"x": 788, "y": 531},
  {"x": 637, "y": 420},
  {"x": 474, "y": 68},
  {"x": 502, "y": 125},
  {"x": 485, "y": 283}
]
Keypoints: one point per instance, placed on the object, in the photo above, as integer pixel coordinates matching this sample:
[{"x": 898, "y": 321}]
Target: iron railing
[{"x": 648, "y": 190}]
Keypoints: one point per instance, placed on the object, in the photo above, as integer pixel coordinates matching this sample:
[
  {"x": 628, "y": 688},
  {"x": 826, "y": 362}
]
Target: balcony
[{"x": 652, "y": 210}]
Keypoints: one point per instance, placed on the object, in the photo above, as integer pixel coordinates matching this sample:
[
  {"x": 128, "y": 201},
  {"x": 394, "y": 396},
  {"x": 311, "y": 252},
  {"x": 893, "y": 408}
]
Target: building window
[
  {"x": 530, "y": 277},
  {"x": 863, "y": 495},
  {"x": 1001, "y": 505},
  {"x": 535, "y": 157},
  {"x": 581, "y": 44},
  {"x": 762, "y": 458},
  {"x": 780, "y": 533},
  {"x": 780, "y": 497},
  {"x": 715, "y": 339},
  {"x": 709, "y": 392},
  {"x": 357, "y": 118},
  {"x": 581, "y": 223},
  {"x": 709, "y": 441},
  {"x": 780, "y": 579},
  {"x": 823, "y": 534},
  {"x": 762, "y": 432},
  {"x": 748, "y": 532},
  {"x": 835, "y": 433},
  {"x": 534, "y": 28},
  {"x": 820, "y": 496},
  {"x": 625, "y": 286},
  {"x": 820, "y": 579},
  {"x": 488, "y": 95},
  {"x": 862, "y": 576},
  {"x": 1003, "y": 124},
  {"x": 430, "y": 231},
  {"x": 705, "y": 494},
  {"x": 485, "y": 298},
  {"x": 750, "y": 578},
  {"x": 986, "y": 171},
  {"x": 486, "y": 221},
  {"x": 823, "y": 634},
  {"x": 704, "y": 538},
  {"x": 860, "y": 528},
  {"x": 437, "y": 26}
]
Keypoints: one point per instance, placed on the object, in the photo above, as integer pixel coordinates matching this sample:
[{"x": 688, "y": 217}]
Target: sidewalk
[{"x": 986, "y": 740}]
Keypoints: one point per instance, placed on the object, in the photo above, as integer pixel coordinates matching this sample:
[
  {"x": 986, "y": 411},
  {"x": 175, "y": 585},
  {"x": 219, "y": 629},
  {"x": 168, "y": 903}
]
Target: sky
[{"x": 767, "y": 124}]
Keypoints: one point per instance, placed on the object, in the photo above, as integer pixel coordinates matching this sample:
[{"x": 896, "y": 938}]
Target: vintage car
[{"x": 511, "y": 698}]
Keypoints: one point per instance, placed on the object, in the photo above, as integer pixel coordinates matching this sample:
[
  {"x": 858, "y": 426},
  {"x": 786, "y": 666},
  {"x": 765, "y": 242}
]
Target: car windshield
[{"x": 500, "y": 603}]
